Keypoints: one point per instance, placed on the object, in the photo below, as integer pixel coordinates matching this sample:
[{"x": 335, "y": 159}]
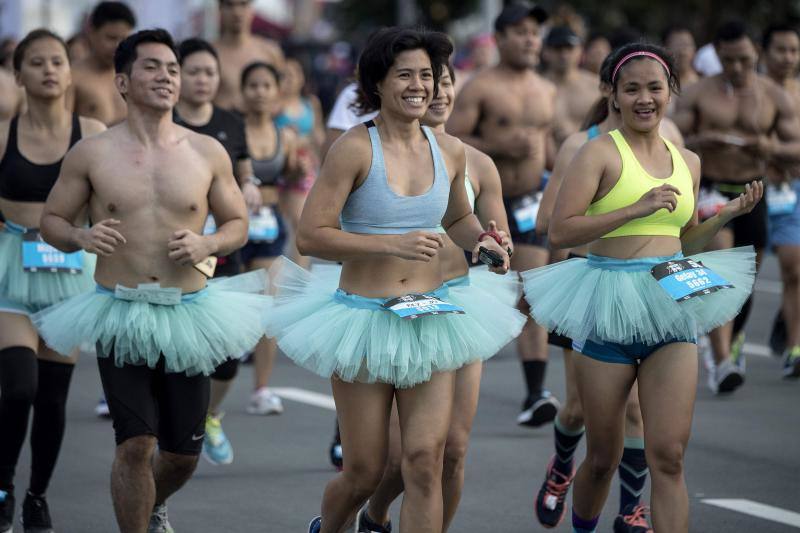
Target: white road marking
[
  {"x": 759, "y": 510},
  {"x": 306, "y": 396},
  {"x": 761, "y": 350}
]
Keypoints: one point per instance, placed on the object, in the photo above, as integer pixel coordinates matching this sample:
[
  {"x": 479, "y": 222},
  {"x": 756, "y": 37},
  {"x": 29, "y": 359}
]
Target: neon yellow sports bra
[{"x": 634, "y": 181}]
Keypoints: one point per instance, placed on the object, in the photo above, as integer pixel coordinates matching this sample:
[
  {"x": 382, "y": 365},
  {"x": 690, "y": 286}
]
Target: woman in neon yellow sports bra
[{"x": 634, "y": 307}]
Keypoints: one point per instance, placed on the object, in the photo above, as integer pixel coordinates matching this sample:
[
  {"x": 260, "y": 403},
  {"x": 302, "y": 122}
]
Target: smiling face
[
  {"x": 441, "y": 106},
  {"x": 45, "y": 71},
  {"x": 155, "y": 79},
  {"x": 199, "y": 78},
  {"x": 642, "y": 94},
  {"x": 407, "y": 89}
]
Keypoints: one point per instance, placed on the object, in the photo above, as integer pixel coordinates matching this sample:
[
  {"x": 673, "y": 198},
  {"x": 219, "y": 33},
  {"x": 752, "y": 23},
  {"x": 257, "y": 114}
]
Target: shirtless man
[
  {"x": 576, "y": 88},
  {"x": 506, "y": 112},
  {"x": 149, "y": 184},
  {"x": 238, "y": 47},
  {"x": 739, "y": 122},
  {"x": 781, "y": 54},
  {"x": 93, "y": 93},
  {"x": 679, "y": 41}
]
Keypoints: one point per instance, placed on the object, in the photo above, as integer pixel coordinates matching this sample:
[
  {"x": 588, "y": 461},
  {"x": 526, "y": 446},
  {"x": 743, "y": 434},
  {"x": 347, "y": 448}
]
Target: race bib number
[
  {"x": 151, "y": 293},
  {"x": 264, "y": 225},
  {"x": 413, "y": 306},
  {"x": 38, "y": 256},
  {"x": 709, "y": 203},
  {"x": 781, "y": 200},
  {"x": 683, "y": 279},
  {"x": 525, "y": 211}
]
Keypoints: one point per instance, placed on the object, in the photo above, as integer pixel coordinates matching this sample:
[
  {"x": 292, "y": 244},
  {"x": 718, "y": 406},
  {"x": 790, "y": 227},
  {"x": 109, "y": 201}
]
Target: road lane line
[
  {"x": 759, "y": 510},
  {"x": 306, "y": 396}
]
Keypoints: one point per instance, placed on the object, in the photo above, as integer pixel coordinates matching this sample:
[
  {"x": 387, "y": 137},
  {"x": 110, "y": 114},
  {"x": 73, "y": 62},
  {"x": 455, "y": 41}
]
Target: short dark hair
[
  {"x": 769, "y": 33},
  {"x": 611, "y": 62},
  {"x": 674, "y": 28},
  {"x": 251, "y": 67},
  {"x": 126, "y": 52},
  {"x": 381, "y": 51},
  {"x": 106, "y": 12},
  {"x": 732, "y": 30},
  {"x": 193, "y": 46},
  {"x": 28, "y": 40}
]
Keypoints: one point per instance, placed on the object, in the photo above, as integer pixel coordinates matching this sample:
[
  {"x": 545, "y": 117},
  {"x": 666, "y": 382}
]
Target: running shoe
[
  {"x": 726, "y": 377},
  {"x": 315, "y": 525},
  {"x": 551, "y": 501},
  {"x": 265, "y": 402},
  {"x": 6, "y": 511},
  {"x": 737, "y": 352},
  {"x": 791, "y": 363},
  {"x": 101, "y": 409},
  {"x": 705, "y": 352},
  {"x": 633, "y": 519},
  {"x": 36, "y": 515},
  {"x": 777, "y": 337},
  {"x": 159, "y": 523},
  {"x": 365, "y": 525},
  {"x": 538, "y": 411},
  {"x": 217, "y": 448}
]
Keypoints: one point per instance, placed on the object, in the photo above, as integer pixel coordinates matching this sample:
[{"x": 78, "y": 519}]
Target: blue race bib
[
  {"x": 264, "y": 225},
  {"x": 38, "y": 256},
  {"x": 413, "y": 306},
  {"x": 781, "y": 200},
  {"x": 525, "y": 211},
  {"x": 683, "y": 279}
]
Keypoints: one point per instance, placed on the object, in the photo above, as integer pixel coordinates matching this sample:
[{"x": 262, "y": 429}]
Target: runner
[
  {"x": 738, "y": 121},
  {"x": 275, "y": 164},
  {"x": 93, "y": 93},
  {"x": 781, "y": 48},
  {"x": 514, "y": 134},
  {"x": 389, "y": 183},
  {"x": 159, "y": 330},
  {"x": 237, "y": 47},
  {"x": 501, "y": 293},
  {"x": 631, "y": 194},
  {"x": 195, "y": 111},
  {"x": 679, "y": 41},
  {"x": 32, "y": 376},
  {"x": 550, "y": 502},
  {"x": 595, "y": 50}
]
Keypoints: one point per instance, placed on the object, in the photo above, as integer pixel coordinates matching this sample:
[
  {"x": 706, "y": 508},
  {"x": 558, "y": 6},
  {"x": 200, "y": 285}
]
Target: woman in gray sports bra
[{"x": 388, "y": 333}]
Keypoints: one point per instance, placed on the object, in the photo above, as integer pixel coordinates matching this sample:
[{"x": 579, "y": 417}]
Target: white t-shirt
[
  {"x": 706, "y": 61},
  {"x": 343, "y": 117}
]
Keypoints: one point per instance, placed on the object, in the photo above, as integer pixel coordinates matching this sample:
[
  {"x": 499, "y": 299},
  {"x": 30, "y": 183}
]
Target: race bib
[
  {"x": 781, "y": 200},
  {"x": 151, "y": 293},
  {"x": 210, "y": 226},
  {"x": 525, "y": 211},
  {"x": 709, "y": 202},
  {"x": 413, "y": 306},
  {"x": 264, "y": 225},
  {"x": 38, "y": 256},
  {"x": 683, "y": 279}
]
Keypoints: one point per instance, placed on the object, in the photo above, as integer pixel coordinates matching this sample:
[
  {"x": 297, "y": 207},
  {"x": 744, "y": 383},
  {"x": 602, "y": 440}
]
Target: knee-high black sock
[
  {"x": 17, "y": 392},
  {"x": 534, "y": 377},
  {"x": 49, "y": 419}
]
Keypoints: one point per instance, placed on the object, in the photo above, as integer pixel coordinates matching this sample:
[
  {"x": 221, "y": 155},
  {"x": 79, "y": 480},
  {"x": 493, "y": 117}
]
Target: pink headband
[{"x": 641, "y": 53}]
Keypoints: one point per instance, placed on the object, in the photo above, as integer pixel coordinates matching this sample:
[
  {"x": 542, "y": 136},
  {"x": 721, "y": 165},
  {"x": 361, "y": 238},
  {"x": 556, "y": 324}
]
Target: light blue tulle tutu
[
  {"x": 36, "y": 290},
  {"x": 331, "y": 332},
  {"x": 222, "y": 321},
  {"x": 618, "y": 300}
]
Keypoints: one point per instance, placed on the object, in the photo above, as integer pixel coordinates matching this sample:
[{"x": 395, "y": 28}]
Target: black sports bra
[{"x": 23, "y": 181}]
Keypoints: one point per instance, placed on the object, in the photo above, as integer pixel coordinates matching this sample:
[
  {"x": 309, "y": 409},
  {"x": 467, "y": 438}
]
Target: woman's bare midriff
[
  {"x": 388, "y": 277},
  {"x": 25, "y": 214},
  {"x": 636, "y": 246}
]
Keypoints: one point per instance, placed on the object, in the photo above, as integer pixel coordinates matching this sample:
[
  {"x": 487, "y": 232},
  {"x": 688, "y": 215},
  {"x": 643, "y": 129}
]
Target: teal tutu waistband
[
  {"x": 331, "y": 332},
  {"x": 618, "y": 300},
  {"x": 37, "y": 290},
  {"x": 224, "y": 320}
]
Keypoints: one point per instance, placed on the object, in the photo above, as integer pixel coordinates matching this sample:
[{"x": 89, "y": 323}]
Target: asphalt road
[{"x": 743, "y": 447}]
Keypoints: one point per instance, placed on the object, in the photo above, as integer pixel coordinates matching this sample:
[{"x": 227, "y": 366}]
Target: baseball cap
[
  {"x": 516, "y": 11},
  {"x": 561, "y": 37}
]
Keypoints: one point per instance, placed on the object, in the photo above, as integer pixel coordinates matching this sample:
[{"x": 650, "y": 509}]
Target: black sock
[
  {"x": 49, "y": 419},
  {"x": 18, "y": 376},
  {"x": 741, "y": 319},
  {"x": 566, "y": 444},
  {"x": 632, "y": 473},
  {"x": 534, "y": 377}
]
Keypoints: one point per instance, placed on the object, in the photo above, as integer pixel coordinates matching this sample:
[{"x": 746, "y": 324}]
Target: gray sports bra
[
  {"x": 268, "y": 170},
  {"x": 376, "y": 209}
]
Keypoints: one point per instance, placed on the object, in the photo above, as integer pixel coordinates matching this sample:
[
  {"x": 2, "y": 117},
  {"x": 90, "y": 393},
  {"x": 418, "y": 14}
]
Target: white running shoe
[
  {"x": 265, "y": 402},
  {"x": 725, "y": 377}
]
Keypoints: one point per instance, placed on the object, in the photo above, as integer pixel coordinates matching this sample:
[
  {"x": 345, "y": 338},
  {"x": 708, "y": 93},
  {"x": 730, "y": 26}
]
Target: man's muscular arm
[
  {"x": 787, "y": 125},
  {"x": 226, "y": 203}
]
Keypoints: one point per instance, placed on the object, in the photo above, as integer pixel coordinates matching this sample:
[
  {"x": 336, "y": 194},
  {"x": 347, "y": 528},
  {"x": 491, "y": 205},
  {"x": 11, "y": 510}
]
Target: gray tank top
[
  {"x": 375, "y": 208},
  {"x": 268, "y": 170}
]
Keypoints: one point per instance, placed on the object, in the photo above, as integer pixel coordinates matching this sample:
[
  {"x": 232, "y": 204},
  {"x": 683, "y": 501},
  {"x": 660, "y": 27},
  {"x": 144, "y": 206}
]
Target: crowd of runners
[{"x": 178, "y": 208}]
